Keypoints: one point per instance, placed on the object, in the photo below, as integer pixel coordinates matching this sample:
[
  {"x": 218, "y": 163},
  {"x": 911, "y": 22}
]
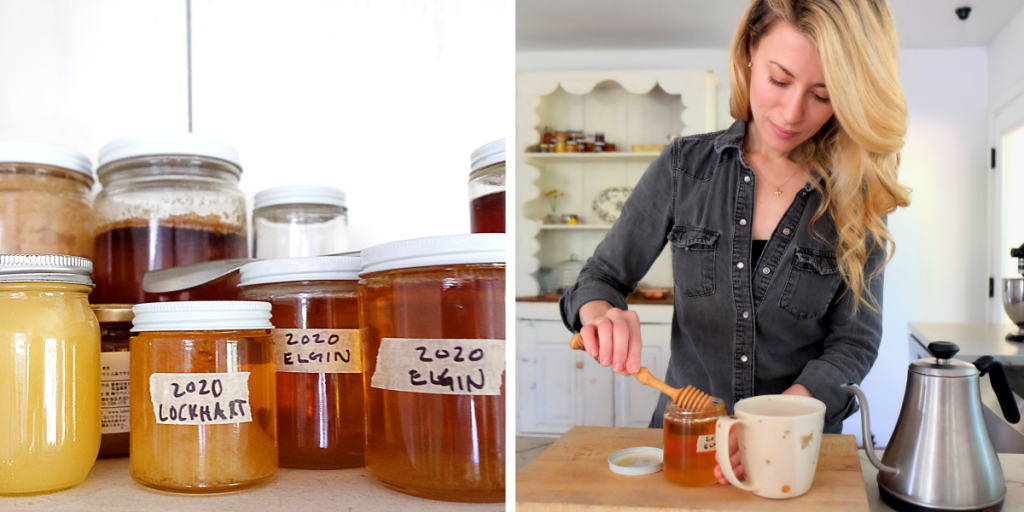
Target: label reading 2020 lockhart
[
  {"x": 444, "y": 367},
  {"x": 318, "y": 350},
  {"x": 200, "y": 398}
]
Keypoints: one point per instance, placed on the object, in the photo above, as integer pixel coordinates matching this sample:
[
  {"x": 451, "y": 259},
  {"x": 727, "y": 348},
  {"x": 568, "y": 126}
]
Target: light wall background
[{"x": 385, "y": 100}]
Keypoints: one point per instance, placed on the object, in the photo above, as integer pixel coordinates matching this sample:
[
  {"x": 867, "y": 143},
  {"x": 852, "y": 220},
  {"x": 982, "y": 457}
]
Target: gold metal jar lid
[{"x": 110, "y": 313}]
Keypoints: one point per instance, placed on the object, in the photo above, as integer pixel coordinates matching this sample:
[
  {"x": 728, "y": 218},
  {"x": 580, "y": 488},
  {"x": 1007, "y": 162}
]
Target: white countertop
[
  {"x": 110, "y": 487},
  {"x": 974, "y": 339},
  {"x": 528, "y": 448}
]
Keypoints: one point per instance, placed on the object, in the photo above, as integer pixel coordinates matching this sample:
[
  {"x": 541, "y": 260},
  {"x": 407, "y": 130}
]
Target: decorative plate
[{"x": 608, "y": 204}]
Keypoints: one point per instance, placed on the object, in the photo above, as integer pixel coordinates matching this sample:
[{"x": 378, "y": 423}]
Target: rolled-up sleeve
[
  {"x": 631, "y": 246},
  {"x": 850, "y": 349}
]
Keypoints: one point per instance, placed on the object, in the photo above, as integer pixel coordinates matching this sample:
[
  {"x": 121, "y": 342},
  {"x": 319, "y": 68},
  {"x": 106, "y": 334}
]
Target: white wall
[
  {"x": 938, "y": 273},
  {"x": 1006, "y": 62},
  {"x": 385, "y": 100}
]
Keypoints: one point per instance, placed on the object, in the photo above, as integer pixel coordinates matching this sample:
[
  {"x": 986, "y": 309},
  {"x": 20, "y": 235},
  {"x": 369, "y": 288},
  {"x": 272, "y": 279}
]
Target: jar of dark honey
[
  {"x": 320, "y": 417},
  {"x": 167, "y": 200},
  {"x": 487, "y": 188},
  {"x": 690, "y": 443},
  {"x": 432, "y": 312},
  {"x": 115, "y": 361}
]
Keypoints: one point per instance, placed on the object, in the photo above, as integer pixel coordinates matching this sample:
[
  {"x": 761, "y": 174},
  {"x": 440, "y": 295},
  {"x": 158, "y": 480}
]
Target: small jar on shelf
[{"x": 561, "y": 141}]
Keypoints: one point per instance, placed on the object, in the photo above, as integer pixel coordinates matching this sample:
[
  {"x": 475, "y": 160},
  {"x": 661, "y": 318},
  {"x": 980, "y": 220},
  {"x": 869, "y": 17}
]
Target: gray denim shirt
[{"x": 732, "y": 336}]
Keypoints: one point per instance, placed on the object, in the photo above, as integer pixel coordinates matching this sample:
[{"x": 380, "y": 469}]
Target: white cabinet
[{"x": 634, "y": 402}]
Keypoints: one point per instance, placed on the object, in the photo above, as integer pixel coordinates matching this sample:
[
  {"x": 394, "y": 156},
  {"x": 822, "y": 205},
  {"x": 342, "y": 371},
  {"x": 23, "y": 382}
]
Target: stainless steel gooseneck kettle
[{"x": 940, "y": 456}]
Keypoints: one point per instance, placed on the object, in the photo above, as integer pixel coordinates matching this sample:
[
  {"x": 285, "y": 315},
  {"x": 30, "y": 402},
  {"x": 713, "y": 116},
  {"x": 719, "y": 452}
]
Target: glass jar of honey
[
  {"x": 167, "y": 200},
  {"x": 115, "y": 360},
  {"x": 45, "y": 200},
  {"x": 690, "y": 443},
  {"x": 487, "y": 188},
  {"x": 202, "y": 403},
  {"x": 432, "y": 312},
  {"x": 299, "y": 220},
  {"x": 320, "y": 417},
  {"x": 49, "y": 374}
]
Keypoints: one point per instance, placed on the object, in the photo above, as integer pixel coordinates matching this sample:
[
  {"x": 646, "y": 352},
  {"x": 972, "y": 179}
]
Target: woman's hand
[{"x": 612, "y": 336}]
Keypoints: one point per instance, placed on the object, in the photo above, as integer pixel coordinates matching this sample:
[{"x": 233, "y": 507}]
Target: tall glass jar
[
  {"x": 49, "y": 374},
  {"x": 432, "y": 312},
  {"x": 45, "y": 200},
  {"x": 299, "y": 220},
  {"x": 320, "y": 417},
  {"x": 690, "y": 443},
  {"x": 202, "y": 402},
  {"x": 487, "y": 188},
  {"x": 115, "y": 361},
  {"x": 167, "y": 200}
]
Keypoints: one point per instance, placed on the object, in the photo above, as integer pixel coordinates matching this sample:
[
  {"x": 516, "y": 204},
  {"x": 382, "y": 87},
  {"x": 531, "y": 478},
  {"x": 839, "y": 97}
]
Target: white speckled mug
[{"x": 779, "y": 438}]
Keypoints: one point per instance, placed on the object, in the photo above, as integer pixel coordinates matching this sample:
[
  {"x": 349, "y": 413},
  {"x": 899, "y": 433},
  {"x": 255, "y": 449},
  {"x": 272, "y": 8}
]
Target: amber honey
[
  {"x": 438, "y": 446},
  {"x": 690, "y": 444}
]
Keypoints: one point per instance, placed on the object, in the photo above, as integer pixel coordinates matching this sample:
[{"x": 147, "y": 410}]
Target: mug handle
[{"x": 722, "y": 451}]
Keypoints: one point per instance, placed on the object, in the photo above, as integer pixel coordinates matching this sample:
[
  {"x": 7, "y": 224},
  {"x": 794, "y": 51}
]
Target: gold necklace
[{"x": 778, "y": 188}]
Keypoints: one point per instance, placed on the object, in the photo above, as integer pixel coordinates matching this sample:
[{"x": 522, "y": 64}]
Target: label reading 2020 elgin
[
  {"x": 444, "y": 367},
  {"x": 200, "y": 398},
  {"x": 318, "y": 350}
]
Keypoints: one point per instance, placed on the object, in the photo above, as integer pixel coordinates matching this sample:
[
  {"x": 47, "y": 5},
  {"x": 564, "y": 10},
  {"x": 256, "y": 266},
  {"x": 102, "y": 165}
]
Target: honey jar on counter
[
  {"x": 432, "y": 312},
  {"x": 320, "y": 418},
  {"x": 115, "y": 360},
  {"x": 487, "y": 188},
  {"x": 690, "y": 443},
  {"x": 203, "y": 418}
]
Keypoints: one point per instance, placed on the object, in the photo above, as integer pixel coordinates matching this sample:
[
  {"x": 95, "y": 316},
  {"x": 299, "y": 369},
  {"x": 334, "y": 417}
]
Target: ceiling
[{"x": 551, "y": 25}]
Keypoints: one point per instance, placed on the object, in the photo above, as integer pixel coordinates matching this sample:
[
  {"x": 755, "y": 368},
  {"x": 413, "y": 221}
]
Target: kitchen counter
[
  {"x": 974, "y": 339},
  {"x": 528, "y": 448},
  {"x": 110, "y": 487}
]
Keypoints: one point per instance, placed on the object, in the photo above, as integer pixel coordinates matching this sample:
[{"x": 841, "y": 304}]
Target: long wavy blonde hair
[{"x": 857, "y": 152}]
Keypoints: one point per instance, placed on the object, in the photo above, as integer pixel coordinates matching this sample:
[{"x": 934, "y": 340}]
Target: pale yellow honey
[{"x": 49, "y": 387}]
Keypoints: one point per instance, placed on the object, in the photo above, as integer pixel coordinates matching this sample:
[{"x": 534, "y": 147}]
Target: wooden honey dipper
[{"x": 686, "y": 398}]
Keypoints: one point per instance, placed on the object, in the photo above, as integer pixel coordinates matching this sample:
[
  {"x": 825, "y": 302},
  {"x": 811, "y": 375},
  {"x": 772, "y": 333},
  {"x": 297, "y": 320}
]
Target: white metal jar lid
[
  {"x": 45, "y": 268},
  {"x": 299, "y": 194},
  {"x": 642, "y": 460},
  {"x": 172, "y": 143},
  {"x": 45, "y": 154},
  {"x": 488, "y": 154},
  {"x": 202, "y": 315},
  {"x": 289, "y": 270},
  {"x": 435, "y": 250}
]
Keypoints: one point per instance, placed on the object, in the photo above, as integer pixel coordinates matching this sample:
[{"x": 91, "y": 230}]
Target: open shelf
[{"x": 615, "y": 156}]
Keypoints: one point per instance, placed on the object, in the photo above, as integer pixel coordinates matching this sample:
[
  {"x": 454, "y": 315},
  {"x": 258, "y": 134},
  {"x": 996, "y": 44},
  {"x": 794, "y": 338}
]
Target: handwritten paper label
[
  {"x": 318, "y": 350},
  {"x": 200, "y": 398},
  {"x": 705, "y": 443},
  {"x": 114, "y": 400},
  {"x": 444, "y": 367}
]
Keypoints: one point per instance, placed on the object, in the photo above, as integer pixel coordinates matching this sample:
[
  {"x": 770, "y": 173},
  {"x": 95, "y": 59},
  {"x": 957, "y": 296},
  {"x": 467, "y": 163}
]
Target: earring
[{"x": 748, "y": 64}]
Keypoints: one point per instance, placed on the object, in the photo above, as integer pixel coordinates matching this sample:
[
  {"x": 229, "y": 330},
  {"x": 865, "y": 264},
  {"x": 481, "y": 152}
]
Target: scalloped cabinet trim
[{"x": 696, "y": 87}]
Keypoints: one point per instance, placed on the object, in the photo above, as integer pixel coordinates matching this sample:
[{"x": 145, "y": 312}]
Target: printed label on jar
[
  {"x": 444, "y": 367},
  {"x": 318, "y": 350},
  {"x": 114, "y": 399},
  {"x": 705, "y": 443},
  {"x": 200, "y": 398}
]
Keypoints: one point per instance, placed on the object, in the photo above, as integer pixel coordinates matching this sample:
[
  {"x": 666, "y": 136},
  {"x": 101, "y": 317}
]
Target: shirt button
[
  {"x": 739, "y": 265},
  {"x": 743, "y": 359},
  {"x": 746, "y": 314},
  {"x": 785, "y": 231},
  {"x": 743, "y": 222},
  {"x": 746, "y": 179},
  {"x": 766, "y": 270}
]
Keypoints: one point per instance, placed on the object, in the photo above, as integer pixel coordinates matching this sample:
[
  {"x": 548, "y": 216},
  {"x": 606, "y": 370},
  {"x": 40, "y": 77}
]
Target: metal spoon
[{"x": 176, "y": 279}]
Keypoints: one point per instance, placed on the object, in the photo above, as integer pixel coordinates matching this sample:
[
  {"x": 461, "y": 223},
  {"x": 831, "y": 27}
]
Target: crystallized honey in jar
[
  {"x": 690, "y": 443},
  {"x": 320, "y": 417},
  {"x": 432, "y": 312},
  {"x": 49, "y": 374},
  {"x": 203, "y": 418}
]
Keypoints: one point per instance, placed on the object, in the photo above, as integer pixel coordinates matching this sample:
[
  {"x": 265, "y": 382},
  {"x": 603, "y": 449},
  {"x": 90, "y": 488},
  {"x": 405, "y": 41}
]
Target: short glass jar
[
  {"x": 202, "y": 402},
  {"x": 432, "y": 312},
  {"x": 320, "y": 416},
  {"x": 115, "y": 361},
  {"x": 690, "y": 443},
  {"x": 167, "y": 200},
  {"x": 299, "y": 220},
  {"x": 487, "y": 188},
  {"x": 45, "y": 200},
  {"x": 49, "y": 374}
]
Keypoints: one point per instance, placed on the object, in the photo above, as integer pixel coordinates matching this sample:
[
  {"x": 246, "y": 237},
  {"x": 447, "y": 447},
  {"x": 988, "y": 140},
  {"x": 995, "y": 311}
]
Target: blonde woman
[{"x": 777, "y": 225}]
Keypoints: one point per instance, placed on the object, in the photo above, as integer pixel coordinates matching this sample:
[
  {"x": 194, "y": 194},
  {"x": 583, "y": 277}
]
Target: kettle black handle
[{"x": 1001, "y": 386}]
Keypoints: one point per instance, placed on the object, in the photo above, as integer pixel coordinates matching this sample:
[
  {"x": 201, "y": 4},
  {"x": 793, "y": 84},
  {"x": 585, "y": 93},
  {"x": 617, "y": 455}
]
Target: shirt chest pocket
[
  {"x": 812, "y": 284},
  {"x": 693, "y": 260}
]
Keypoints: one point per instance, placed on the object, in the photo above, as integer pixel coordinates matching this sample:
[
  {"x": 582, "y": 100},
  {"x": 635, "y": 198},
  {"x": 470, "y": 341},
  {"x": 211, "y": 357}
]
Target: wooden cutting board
[{"x": 572, "y": 475}]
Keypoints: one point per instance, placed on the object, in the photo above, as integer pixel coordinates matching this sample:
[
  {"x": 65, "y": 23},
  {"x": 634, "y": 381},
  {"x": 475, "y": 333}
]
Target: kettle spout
[{"x": 866, "y": 421}]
